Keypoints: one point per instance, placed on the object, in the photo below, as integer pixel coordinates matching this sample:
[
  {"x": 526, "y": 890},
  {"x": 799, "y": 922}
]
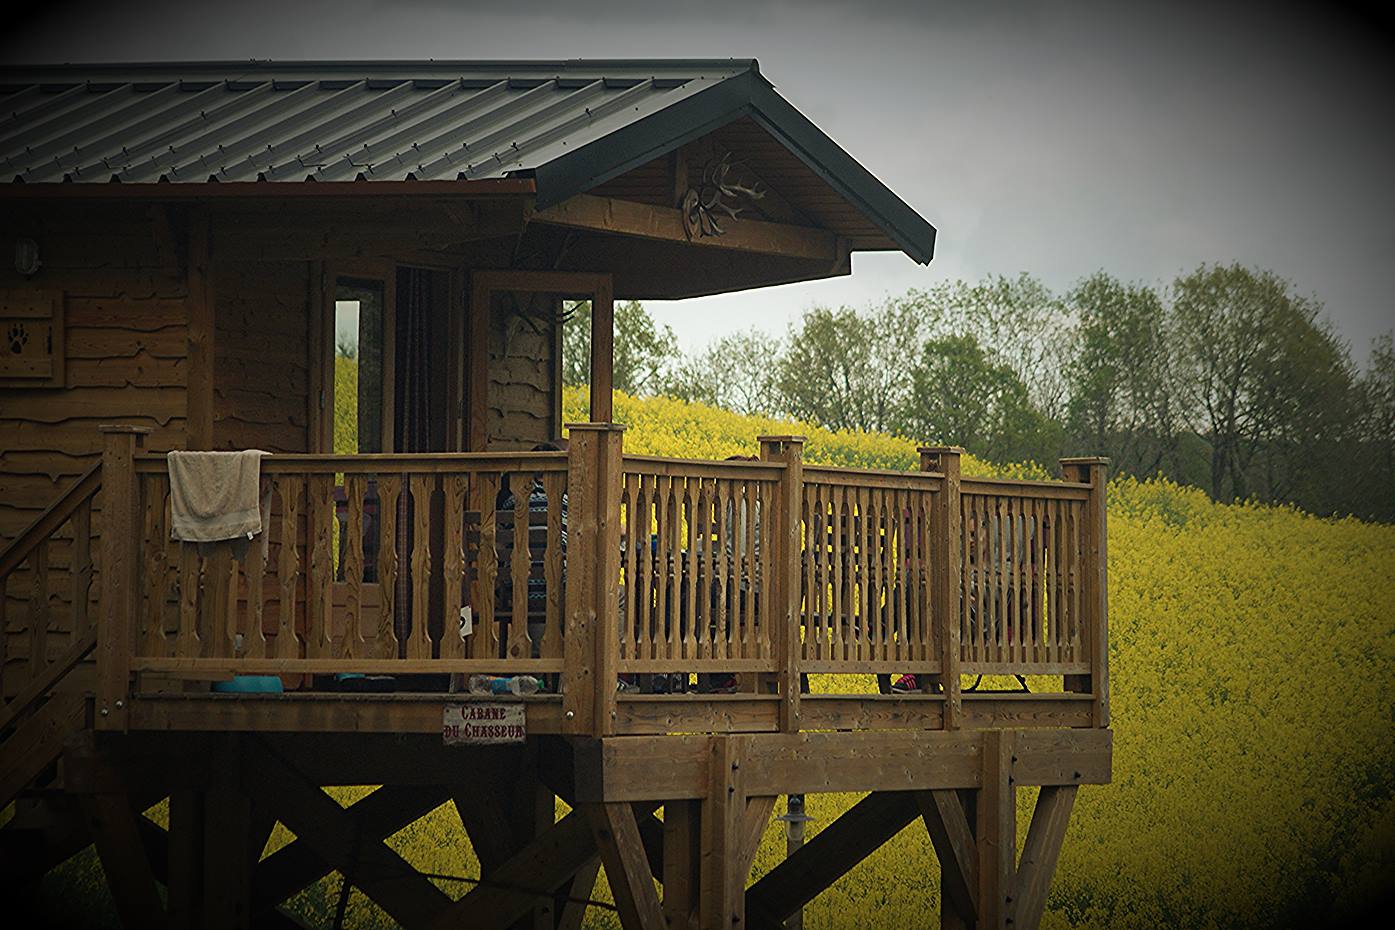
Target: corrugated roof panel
[{"x": 569, "y": 124}]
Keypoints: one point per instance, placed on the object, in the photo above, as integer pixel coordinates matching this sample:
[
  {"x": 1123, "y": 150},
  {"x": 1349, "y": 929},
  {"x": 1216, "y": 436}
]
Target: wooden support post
[
  {"x": 186, "y": 844},
  {"x": 116, "y": 625},
  {"x": 116, "y": 834},
  {"x": 722, "y": 885},
  {"x": 602, "y": 352},
  {"x": 227, "y": 837},
  {"x": 1040, "y": 854},
  {"x": 682, "y": 855},
  {"x": 592, "y": 643},
  {"x": 199, "y": 302},
  {"x": 785, "y": 587},
  {"x": 617, "y": 837},
  {"x": 1094, "y": 581},
  {"x": 946, "y": 592},
  {"x": 996, "y": 833},
  {"x": 952, "y": 835}
]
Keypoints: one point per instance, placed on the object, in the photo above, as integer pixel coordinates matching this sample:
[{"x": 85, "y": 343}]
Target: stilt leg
[
  {"x": 996, "y": 832},
  {"x": 682, "y": 851},
  {"x": 722, "y": 893}
]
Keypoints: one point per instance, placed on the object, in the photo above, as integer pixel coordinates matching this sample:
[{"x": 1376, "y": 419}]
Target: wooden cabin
[{"x": 363, "y": 269}]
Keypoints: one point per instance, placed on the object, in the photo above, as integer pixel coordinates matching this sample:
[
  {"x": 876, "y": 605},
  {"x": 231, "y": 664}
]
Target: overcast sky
[{"x": 1054, "y": 138}]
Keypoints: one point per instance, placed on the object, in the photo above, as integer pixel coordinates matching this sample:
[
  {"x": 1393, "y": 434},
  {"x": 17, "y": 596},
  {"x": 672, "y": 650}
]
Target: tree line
[{"x": 1227, "y": 379}]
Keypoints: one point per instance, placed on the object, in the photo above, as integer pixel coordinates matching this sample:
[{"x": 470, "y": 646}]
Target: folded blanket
[{"x": 214, "y": 495}]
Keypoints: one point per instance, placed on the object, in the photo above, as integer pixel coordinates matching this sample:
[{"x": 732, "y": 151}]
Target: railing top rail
[
  {"x": 1025, "y": 488},
  {"x": 873, "y": 477},
  {"x": 743, "y": 469},
  {"x": 390, "y": 463},
  {"x": 46, "y": 523}
]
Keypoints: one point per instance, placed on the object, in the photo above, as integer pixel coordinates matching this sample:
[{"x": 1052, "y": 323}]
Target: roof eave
[{"x": 710, "y": 109}]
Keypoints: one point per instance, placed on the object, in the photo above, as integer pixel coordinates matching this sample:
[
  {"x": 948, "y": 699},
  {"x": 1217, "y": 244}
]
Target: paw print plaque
[{"x": 31, "y": 339}]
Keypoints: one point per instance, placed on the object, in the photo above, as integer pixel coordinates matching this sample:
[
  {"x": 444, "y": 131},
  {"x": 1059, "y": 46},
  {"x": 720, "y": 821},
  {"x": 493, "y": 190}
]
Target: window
[{"x": 357, "y": 424}]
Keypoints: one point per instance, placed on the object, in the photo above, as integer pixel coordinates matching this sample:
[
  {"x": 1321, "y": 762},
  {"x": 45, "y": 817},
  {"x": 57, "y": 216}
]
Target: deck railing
[{"x": 590, "y": 565}]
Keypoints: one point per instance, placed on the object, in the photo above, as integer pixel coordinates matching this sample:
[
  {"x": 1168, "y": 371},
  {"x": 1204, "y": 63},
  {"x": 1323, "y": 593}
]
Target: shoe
[
  {"x": 626, "y": 685},
  {"x": 906, "y": 684},
  {"x": 724, "y": 685}
]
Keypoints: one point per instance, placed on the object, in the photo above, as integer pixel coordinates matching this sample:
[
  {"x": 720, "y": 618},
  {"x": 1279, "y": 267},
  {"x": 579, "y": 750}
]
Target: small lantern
[{"x": 26, "y": 257}]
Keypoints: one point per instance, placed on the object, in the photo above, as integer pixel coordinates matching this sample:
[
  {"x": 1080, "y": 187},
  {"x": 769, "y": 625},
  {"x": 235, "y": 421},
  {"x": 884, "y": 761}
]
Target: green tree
[
  {"x": 1264, "y": 375},
  {"x": 1376, "y": 429},
  {"x": 735, "y": 372},
  {"x": 848, "y": 370},
  {"x": 644, "y": 350},
  {"x": 959, "y": 396},
  {"x": 1122, "y": 399}
]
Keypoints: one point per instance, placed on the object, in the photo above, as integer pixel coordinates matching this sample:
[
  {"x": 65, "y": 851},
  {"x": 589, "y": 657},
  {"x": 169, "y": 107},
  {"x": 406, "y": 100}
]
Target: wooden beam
[
  {"x": 375, "y": 816},
  {"x": 953, "y": 839},
  {"x": 758, "y": 811},
  {"x": 38, "y": 742},
  {"x": 616, "y": 834},
  {"x": 835, "y": 850},
  {"x": 538, "y": 869},
  {"x": 996, "y": 830},
  {"x": 40, "y": 685},
  {"x": 186, "y": 845},
  {"x": 1040, "y": 854},
  {"x": 602, "y": 353},
  {"x": 227, "y": 838},
  {"x": 329, "y": 830},
  {"x": 648, "y": 221},
  {"x": 569, "y": 903},
  {"x": 121, "y": 850}
]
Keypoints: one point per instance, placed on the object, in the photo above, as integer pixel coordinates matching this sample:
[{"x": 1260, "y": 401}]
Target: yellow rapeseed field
[{"x": 1252, "y": 658}]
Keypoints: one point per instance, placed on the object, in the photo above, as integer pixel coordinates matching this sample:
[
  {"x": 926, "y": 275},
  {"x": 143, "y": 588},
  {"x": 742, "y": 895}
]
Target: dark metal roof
[{"x": 569, "y": 124}]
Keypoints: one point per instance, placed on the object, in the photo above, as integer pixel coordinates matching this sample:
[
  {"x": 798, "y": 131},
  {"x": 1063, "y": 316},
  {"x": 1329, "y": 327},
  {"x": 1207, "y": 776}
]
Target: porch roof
[{"x": 568, "y": 125}]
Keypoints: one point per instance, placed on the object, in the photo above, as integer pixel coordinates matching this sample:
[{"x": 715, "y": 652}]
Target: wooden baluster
[
  {"x": 1076, "y": 572},
  {"x": 968, "y": 626},
  {"x": 747, "y": 527},
  {"x": 80, "y": 569},
  {"x": 810, "y": 647},
  {"x": 692, "y": 499},
  {"x": 881, "y": 575},
  {"x": 486, "y": 635},
  {"x": 188, "y": 643},
  {"x": 726, "y": 549},
  {"x": 385, "y": 630},
  {"x": 1012, "y": 549},
  {"x": 218, "y": 633},
  {"x": 1035, "y": 582},
  {"x": 419, "y": 639},
  {"x": 454, "y": 489},
  {"x": 555, "y": 486},
  {"x": 287, "y": 489},
  {"x": 674, "y": 624},
  {"x": 838, "y": 638},
  {"x": 151, "y": 628},
  {"x": 319, "y": 590},
  {"x": 985, "y": 580},
  {"x": 255, "y": 643},
  {"x": 630, "y": 563},
  {"x": 900, "y": 558},
  {"x": 663, "y": 565},
  {"x": 39, "y": 610},
  {"x": 354, "y": 644},
  {"x": 644, "y": 610},
  {"x": 707, "y": 607},
  {"x": 1092, "y": 586},
  {"x": 520, "y": 566}
]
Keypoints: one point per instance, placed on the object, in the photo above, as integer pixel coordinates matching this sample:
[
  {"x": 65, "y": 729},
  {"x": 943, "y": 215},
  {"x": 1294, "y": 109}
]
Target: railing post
[
  {"x": 784, "y": 587},
  {"x": 1094, "y": 582},
  {"x": 591, "y": 643},
  {"x": 946, "y": 586},
  {"x": 116, "y": 615}
]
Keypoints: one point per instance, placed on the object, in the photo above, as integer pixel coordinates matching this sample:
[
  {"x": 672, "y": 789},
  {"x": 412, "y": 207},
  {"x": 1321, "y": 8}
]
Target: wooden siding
[
  {"x": 126, "y": 348},
  {"x": 261, "y": 355},
  {"x": 523, "y": 396}
]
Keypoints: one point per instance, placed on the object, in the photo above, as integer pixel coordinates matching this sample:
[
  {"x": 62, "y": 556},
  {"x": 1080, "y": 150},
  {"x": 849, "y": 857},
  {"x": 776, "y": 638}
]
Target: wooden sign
[
  {"x": 31, "y": 338},
  {"x": 484, "y": 723}
]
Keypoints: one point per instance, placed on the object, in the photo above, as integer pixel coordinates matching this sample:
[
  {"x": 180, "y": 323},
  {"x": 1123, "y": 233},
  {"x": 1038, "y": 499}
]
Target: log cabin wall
[
  {"x": 261, "y": 355},
  {"x": 122, "y": 274},
  {"x": 524, "y": 352}
]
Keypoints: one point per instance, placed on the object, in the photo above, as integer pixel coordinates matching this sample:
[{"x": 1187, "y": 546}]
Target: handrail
[
  {"x": 378, "y": 463},
  {"x": 39, "y": 686},
  {"x": 46, "y": 523}
]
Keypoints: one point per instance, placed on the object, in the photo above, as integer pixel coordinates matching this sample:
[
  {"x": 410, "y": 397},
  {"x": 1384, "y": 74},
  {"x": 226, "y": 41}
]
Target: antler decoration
[{"x": 719, "y": 191}]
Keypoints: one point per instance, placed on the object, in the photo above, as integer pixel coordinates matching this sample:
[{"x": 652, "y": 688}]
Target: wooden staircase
[{"x": 48, "y": 710}]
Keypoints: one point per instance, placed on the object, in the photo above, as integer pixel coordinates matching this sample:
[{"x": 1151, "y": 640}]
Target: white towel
[{"x": 214, "y": 495}]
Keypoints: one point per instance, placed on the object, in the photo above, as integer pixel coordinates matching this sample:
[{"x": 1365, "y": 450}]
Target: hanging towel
[{"x": 214, "y": 495}]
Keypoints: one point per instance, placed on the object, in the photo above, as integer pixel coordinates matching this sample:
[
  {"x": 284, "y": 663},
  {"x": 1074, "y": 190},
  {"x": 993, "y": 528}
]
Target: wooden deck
[{"x": 585, "y": 568}]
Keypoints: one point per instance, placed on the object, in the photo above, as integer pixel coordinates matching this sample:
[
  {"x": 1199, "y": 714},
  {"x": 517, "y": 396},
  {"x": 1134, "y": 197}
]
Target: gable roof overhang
[{"x": 546, "y": 129}]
